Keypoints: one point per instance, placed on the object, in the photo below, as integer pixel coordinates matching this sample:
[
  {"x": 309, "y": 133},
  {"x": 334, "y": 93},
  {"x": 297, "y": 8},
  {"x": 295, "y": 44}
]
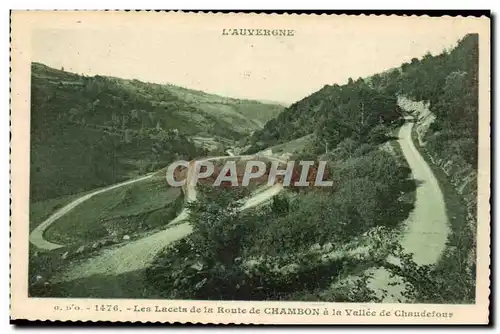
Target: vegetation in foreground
[
  {"x": 302, "y": 242},
  {"x": 218, "y": 260},
  {"x": 40, "y": 211}
]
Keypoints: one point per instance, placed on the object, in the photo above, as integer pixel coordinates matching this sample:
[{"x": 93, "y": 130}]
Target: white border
[{"x": 174, "y": 4}]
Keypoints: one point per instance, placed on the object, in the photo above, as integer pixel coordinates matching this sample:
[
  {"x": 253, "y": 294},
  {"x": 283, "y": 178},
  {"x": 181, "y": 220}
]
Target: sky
[{"x": 193, "y": 53}]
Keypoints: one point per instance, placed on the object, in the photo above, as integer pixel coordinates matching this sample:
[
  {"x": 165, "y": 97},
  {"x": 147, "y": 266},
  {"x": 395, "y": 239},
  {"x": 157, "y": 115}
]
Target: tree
[
  {"x": 280, "y": 204},
  {"x": 379, "y": 134},
  {"x": 207, "y": 263},
  {"x": 376, "y": 81},
  {"x": 346, "y": 149}
]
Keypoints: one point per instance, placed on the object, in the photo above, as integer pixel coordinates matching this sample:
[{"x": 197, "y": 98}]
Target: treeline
[
  {"x": 106, "y": 101},
  {"x": 334, "y": 113},
  {"x": 449, "y": 82}
]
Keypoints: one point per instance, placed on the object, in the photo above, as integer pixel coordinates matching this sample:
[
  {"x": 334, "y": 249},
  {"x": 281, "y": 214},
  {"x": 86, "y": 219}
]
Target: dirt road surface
[
  {"x": 427, "y": 226},
  {"x": 138, "y": 254},
  {"x": 36, "y": 236}
]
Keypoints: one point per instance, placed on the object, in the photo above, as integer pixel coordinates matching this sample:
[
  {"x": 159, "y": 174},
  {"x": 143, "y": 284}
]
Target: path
[
  {"x": 427, "y": 226},
  {"x": 427, "y": 233},
  {"x": 36, "y": 236},
  {"x": 138, "y": 254}
]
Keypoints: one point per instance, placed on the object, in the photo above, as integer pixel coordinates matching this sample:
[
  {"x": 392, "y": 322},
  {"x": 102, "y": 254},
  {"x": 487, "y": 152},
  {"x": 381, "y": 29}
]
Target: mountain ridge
[{"x": 107, "y": 129}]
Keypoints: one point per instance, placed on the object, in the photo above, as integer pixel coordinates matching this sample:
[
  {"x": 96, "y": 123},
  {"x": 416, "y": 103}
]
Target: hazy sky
[{"x": 194, "y": 54}]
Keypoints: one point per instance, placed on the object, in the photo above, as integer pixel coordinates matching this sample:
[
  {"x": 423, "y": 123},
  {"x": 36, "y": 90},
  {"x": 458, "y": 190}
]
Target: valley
[
  {"x": 390, "y": 229},
  {"x": 89, "y": 132}
]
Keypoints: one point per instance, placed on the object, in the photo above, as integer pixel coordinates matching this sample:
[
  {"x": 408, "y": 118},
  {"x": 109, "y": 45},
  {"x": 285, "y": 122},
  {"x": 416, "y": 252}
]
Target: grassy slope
[
  {"x": 133, "y": 208},
  {"x": 210, "y": 112},
  {"x": 39, "y": 211},
  {"x": 251, "y": 111},
  {"x": 62, "y": 162},
  {"x": 127, "y": 285}
]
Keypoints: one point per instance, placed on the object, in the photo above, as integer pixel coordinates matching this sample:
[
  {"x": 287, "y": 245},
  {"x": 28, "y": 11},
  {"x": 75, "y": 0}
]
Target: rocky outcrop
[{"x": 423, "y": 116}]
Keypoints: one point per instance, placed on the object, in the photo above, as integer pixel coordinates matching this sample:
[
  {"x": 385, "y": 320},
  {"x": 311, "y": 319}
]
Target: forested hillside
[
  {"x": 361, "y": 108},
  {"x": 297, "y": 248},
  {"x": 306, "y": 241},
  {"x": 449, "y": 82},
  {"x": 333, "y": 114},
  {"x": 448, "y": 137},
  {"x": 87, "y": 132}
]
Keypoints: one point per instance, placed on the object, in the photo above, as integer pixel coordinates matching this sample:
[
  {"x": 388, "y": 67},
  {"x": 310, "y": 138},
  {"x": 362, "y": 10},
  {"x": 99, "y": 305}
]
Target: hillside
[
  {"x": 448, "y": 82},
  {"x": 242, "y": 114},
  {"x": 441, "y": 93},
  {"x": 334, "y": 113},
  {"x": 447, "y": 134},
  {"x": 87, "y": 132},
  {"x": 395, "y": 182}
]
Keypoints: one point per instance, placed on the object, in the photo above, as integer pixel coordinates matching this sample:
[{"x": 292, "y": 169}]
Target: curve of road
[
  {"x": 428, "y": 231},
  {"x": 427, "y": 226},
  {"x": 36, "y": 236},
  {"x": 139, "y": 253},
  {"x": 425, "y": 236}
]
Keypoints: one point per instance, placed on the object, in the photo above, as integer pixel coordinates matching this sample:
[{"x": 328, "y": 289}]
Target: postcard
[{"x": 245, "y": 168}]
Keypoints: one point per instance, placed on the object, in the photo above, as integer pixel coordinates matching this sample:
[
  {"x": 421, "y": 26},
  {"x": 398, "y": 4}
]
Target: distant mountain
[
  {"x": 87, "y": 132},
  {"x": 243, "y": 114},
  {"x": 283, "y": 104}
]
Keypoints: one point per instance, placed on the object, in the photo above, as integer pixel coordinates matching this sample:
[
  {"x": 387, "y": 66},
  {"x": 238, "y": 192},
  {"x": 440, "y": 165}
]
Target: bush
[
  {"x": 430, "y": 283},
  {"x": 269, "y": 252},
  {"x": 379, "y": 134},
  {"x": 280, "y": 204}
]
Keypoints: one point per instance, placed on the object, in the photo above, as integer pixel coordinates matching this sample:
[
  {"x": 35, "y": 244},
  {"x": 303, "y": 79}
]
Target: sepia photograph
[{"x": 251, "y": 158}]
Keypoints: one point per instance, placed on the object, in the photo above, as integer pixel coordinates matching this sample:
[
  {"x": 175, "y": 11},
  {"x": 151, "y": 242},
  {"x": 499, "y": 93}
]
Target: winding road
[
  {"x": 427, "y": 226},
  {"x": 36, "y": 236},
  {"x": 425, "y": 235},
  {"x": 137, "y": 254}
]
